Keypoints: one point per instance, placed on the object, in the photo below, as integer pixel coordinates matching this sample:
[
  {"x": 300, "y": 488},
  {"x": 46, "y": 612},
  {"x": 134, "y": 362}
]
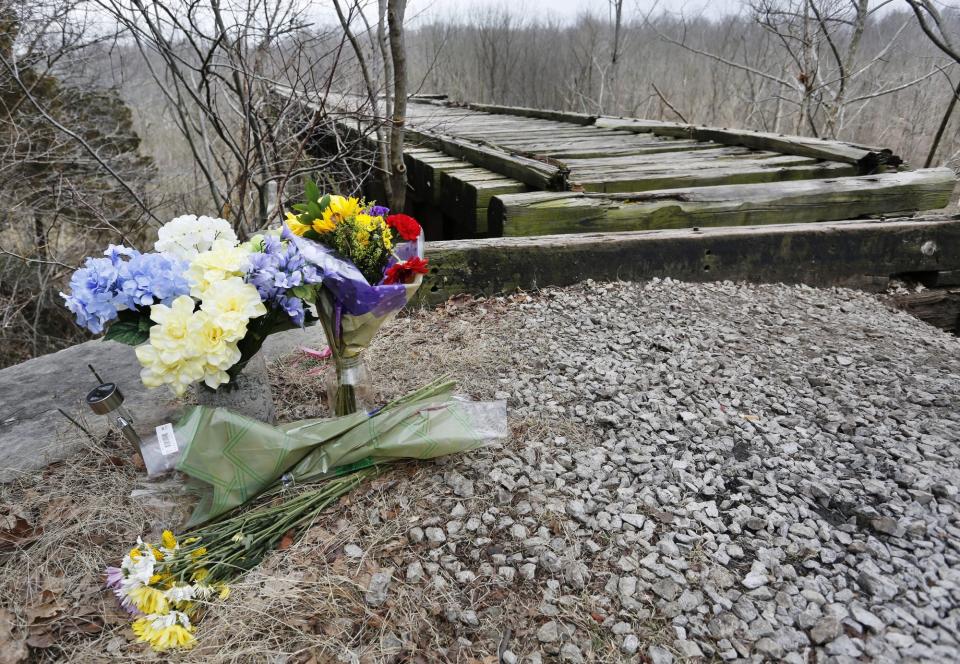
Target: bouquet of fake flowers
[
  {"x": 373, "y": 264},
  {"x": 200, "y": 305}
]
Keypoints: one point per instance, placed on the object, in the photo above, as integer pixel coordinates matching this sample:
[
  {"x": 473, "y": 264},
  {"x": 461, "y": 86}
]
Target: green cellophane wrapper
[{"x": 231, "y": 458}]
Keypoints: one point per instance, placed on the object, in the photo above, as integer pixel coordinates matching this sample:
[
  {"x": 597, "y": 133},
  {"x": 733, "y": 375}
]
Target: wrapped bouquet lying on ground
[{"x": 297, "y": 470}]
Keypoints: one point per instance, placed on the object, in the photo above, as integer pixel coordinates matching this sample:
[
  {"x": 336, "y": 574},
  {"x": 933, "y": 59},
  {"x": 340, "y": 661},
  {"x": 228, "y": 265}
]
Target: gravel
[{"x": 721, "y": 470}]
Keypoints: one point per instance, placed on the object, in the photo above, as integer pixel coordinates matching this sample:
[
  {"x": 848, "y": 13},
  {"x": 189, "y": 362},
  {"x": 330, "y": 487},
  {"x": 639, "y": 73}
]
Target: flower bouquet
[
  {"x": 372, "y": 265},
  {"x": 200, "y": 305},
  {"x": 295, "y": 471}
]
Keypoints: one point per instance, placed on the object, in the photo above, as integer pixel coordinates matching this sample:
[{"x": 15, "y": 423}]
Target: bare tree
[
  {"x": 935, "y": 27},
  {"x": 218, "y": 67},
  {"x": 383, "y": 73},
  {"x": 70, "y": 173}
]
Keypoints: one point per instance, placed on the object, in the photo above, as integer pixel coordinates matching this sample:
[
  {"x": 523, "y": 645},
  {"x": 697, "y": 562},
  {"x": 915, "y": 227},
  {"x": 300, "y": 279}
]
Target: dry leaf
[
  {"x": 12, "y": 650},
  {"x": 16, "y": 529},
  {"x": 286, "y": 541}
]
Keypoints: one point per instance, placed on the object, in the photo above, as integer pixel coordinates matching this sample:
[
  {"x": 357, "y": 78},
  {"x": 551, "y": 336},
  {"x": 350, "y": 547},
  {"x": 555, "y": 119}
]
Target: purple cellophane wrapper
[{"x": 349, "y": 287}]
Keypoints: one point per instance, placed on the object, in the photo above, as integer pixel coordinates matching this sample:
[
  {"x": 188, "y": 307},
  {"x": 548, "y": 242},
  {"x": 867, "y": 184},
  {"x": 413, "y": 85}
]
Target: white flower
[
  {"x": 186, "y": 236},
  {"x": 203, "y": 590},
  {"x": 180, "y": 594},
  {"x": 160, "y": 621},
  {"x": 137, "y": 570}
]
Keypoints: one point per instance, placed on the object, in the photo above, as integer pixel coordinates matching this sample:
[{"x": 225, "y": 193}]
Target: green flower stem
[{"x": 259, "y": 530}]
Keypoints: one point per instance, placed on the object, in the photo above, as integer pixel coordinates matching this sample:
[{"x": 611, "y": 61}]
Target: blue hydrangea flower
[
  {"x": 105, "y": 286},
  {"x": 277, "y": 269},
  {"x": 146, "y": 279}
]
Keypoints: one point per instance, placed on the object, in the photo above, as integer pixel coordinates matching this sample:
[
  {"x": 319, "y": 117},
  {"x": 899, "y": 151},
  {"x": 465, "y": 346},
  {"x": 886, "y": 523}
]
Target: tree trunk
[
  {"x": 398, "y": 171},
  {"x": 942, "y": 128}
]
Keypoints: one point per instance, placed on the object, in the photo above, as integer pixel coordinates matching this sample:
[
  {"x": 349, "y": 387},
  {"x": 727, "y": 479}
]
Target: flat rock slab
[{"x": 33, "y": 433}]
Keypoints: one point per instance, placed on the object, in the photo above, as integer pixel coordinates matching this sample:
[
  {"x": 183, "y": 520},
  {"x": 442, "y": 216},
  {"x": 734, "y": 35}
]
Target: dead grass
[{"x": 305, "y": 604}]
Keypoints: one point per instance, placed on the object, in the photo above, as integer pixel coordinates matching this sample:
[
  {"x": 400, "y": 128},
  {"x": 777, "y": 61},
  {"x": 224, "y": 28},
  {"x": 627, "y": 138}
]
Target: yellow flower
[
  {"x": 171, "y": 336},
  {"x": 149, "y": 600},
  {"x": 223, "y": 261},
  {"x": 176, "y": 375},
  {"x": 166, "y": 631},
  {"x": 200, "y": 574},
  {"x": 339, "y": 209},
  {"x": 224, "y": 590},
  {"x": 230, "y": 306},
  {"x": 168, "y": 540},
  {"x": 295, "y": 225},
  {"x": 135, "y": 553},
  {"x": 199, "y": 553}
]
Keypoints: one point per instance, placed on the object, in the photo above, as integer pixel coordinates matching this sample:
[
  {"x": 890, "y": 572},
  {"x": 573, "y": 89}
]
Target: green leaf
[
  {"x": 132, "y": 327},
  {"x": 129, "y": 333},
  {"x": 306, "y": 292},
  {"x": 300, "y": 207},
  {"x": 324, "y": 203},
  {"x": 313, "y": 191}
]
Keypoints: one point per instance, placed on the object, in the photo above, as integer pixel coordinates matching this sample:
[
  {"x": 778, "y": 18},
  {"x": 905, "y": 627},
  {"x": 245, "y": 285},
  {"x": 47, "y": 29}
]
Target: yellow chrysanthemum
[
  {"x": 295, "y": 225},
  {"x": 200, "y": 574},
  {"x": 135, "y": 553},
  {"x": 149, "y": 600},
  {"x": 199, "y": 553},
  {"x": 224, "y": 590},
  {"x": 223, "y": 261},
  {"x": 339, "y": 209}
]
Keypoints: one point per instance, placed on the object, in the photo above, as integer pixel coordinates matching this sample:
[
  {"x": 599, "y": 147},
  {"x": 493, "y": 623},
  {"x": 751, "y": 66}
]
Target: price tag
[{"x": 167, "y": 440}]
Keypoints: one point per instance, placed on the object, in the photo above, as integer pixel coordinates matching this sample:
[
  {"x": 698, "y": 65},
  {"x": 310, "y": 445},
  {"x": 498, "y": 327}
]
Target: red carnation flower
[
  {"x": 405, "y": 272},
  {"x": 407, "y": 227}
]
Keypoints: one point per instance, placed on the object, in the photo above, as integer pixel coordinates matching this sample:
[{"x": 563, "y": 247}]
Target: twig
[
  {"x": 77, "y": 424},
  {"x": 668, "y": 104}
]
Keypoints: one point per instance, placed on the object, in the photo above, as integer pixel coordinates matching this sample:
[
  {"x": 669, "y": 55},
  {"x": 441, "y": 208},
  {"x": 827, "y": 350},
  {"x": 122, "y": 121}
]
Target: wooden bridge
[
  {"x": 490, "y": 171},
  {"x": 524, "y": 198}
]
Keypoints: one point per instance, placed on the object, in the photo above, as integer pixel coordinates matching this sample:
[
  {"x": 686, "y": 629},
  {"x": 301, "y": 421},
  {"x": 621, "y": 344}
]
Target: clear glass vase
[
  {"x": 348, "y": 390},
  {"x": 248, "y": 393}
]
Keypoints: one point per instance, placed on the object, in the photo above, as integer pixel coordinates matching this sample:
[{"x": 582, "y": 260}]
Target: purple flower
[
  {"x": 278, "y": 269},
  {"x": 378, "y": 211},
  {"x": 114, "y": 576}
]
